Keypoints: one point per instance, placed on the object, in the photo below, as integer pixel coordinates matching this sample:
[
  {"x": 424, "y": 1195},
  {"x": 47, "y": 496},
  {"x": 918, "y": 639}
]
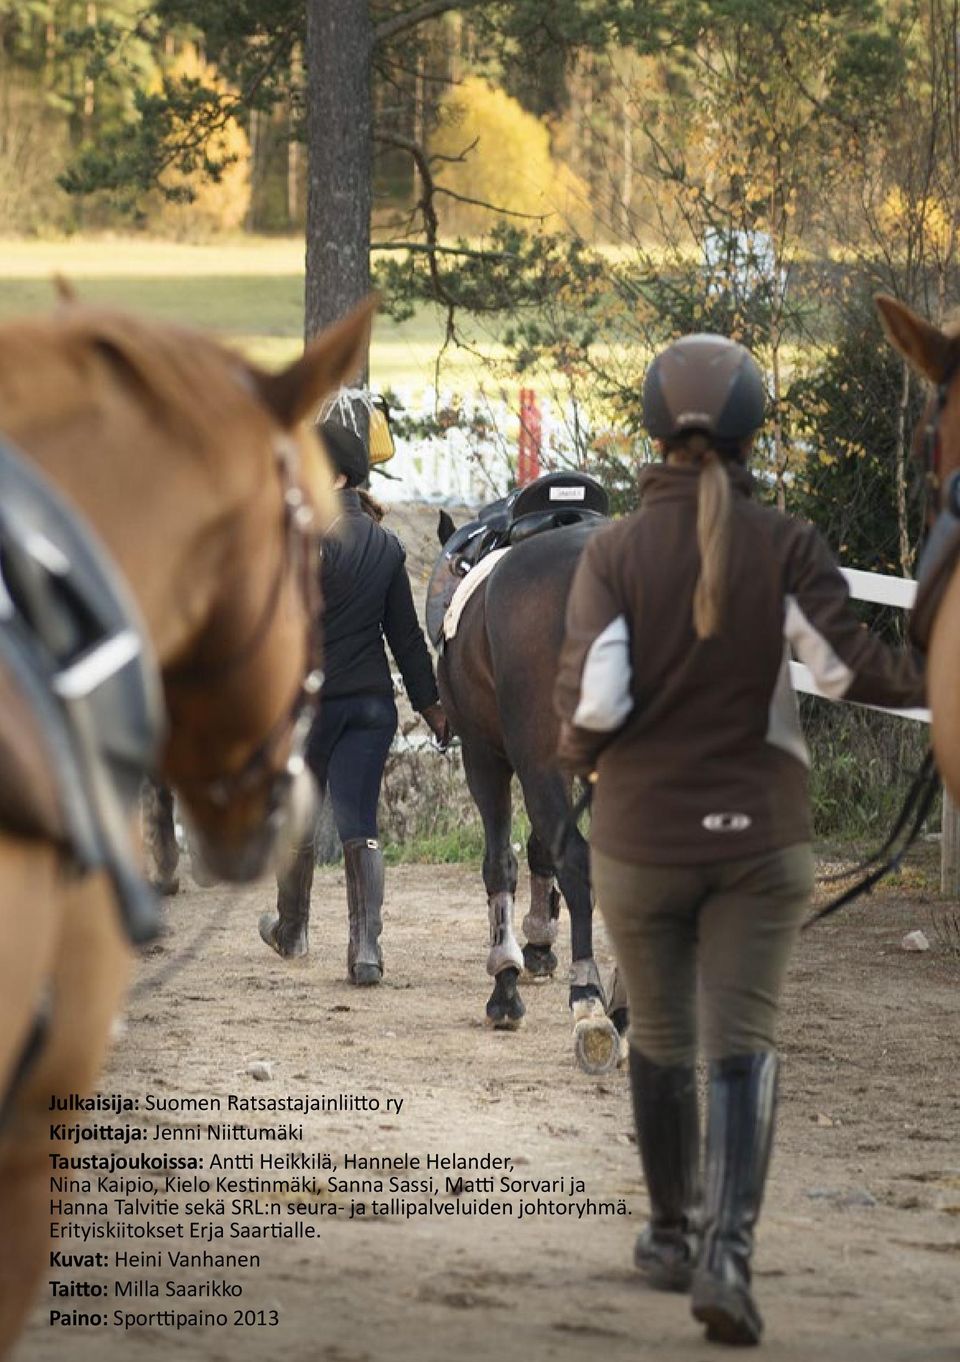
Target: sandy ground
[{"x": 859, "y": 1248}]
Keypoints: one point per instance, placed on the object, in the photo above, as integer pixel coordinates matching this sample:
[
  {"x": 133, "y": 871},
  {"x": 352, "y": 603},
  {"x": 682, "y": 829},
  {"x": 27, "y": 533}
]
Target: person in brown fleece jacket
[{"x": 674, "y": 694}]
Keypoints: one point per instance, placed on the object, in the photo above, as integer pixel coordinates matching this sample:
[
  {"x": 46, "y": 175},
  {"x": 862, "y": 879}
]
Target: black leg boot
[
  {"x": 363, "y": 862},
  {"x": 668, "y": 1136},
  {"x": 742, "y": 1107},
  {"x": 286, "y": 930}
]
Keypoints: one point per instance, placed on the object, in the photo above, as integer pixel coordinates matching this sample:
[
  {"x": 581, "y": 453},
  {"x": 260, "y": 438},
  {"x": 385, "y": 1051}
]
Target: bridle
[
  {"x": 300, "y": 558},
  {"x": 928, "y": 445}
]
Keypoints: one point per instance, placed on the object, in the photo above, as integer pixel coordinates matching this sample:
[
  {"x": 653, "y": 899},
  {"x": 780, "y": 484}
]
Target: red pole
[{"x": 531, "y": 438}]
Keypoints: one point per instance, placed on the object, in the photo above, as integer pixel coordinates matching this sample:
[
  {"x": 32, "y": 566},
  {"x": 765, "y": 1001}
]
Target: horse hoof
[
  {"x": 505, "y": 1009},
  {"x": 596, "y": 1045},
  {"x": 365, "y": 976},
  {"x": 540, "y": 964},
  {"x": 503, "y": 1022},
  {"x": 269, "y": 927},
  {"x": 167, "y": 886}
]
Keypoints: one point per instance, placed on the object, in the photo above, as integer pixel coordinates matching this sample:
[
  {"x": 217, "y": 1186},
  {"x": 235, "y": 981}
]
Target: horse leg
[
  {"x": 596, "y": 1040},
  {"x": 159, "y": 837},
  {"x": 489, "y": 776},
  {"x": 540, "y": 924},
  {"x": 548, "y": 805},
  {"x": 69, "y": 947}
]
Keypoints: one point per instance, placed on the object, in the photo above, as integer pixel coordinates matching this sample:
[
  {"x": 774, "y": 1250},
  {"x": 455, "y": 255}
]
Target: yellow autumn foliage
[
  {"x": 217, "y": 205},
  {"x": 507, "y": 161},
  {"x": 900, "y": 213}
]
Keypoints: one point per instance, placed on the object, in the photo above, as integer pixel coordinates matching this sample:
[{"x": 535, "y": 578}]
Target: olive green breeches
[{"x": 708, "y": 939}]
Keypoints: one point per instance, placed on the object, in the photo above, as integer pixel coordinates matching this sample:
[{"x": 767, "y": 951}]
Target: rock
[
  {"x": 827, "y": 1122},
  {"x": 848, "y": 1198},
  {"x": 261, "y": 1070},
  {"x": 857, "y": 1196},
  {"x": 915, "y": 941}
]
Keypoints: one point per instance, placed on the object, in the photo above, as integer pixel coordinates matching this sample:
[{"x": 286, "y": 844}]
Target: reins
[{"x": 916, "y": 806}]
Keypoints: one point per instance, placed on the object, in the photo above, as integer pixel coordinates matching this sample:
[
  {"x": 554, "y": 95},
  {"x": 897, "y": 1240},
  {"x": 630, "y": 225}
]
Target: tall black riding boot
[
  {"x": 286, "y": 930},
  {"x": 363, "y": 862},
  {"x": 742, "y": 1108},
  {"x": 668, "y": 1136}
]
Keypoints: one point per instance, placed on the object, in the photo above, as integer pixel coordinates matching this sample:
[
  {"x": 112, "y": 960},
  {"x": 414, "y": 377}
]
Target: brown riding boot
[
  {"x": 286, "y": 931},
  {"x": 363, "y": 862}
]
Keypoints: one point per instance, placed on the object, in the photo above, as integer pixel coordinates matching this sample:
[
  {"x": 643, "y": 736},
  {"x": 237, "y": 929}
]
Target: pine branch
[{"x": 429, "y": 9}]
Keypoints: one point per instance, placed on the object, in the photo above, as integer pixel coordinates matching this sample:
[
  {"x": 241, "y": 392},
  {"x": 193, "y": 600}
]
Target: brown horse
[
  {"x": 496, "y": 676},
  {"x": 172, "y": 448},
  {"x": 935, "y": 354}
]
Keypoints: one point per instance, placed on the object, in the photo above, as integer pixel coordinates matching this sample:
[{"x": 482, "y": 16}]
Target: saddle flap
[
  {"x": 58, "y": 584},
  {"x": 71, "y": 637}
]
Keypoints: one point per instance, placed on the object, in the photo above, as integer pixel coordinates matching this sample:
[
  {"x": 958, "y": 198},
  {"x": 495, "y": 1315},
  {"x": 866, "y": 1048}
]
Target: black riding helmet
[
  {"x": 347, "y": 452},
  {"x": 703, "y": 383}
]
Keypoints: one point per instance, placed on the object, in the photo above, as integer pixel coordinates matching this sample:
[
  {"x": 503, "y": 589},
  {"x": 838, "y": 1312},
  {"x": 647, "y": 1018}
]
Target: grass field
[{"x": 249, "y": 290}]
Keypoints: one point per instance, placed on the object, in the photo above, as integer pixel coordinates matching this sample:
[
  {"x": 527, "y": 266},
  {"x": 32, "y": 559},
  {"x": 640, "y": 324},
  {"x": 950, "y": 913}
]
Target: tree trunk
[{"x": 339, "y": 51}]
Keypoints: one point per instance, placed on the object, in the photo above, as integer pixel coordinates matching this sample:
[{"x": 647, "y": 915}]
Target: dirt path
[{"x": 859, "y": 1253}]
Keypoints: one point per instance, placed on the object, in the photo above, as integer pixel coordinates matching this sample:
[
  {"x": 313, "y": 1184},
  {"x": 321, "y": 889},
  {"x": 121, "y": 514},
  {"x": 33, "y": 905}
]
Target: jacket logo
[{"x": 727, "y": 822}]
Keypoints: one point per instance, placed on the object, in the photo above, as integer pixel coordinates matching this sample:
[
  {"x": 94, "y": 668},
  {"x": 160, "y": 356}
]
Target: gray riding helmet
[{"x": 707, "y": 383}]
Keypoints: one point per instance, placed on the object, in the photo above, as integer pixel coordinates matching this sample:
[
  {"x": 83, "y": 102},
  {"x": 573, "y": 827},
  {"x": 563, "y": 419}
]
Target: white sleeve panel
[
  {"x": 831, "y": 674},
  {"x": 605, "y": 698}
]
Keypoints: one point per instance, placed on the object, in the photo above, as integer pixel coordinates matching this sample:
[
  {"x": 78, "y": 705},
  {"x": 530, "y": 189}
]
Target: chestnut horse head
[
  {"x": 935, "y": 355},
  {"x": 192, "y": 468},
  {"x": 195, "y": 470}
]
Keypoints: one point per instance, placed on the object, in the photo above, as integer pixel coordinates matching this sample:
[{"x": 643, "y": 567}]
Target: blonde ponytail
[{"x": 713, "y": 539}]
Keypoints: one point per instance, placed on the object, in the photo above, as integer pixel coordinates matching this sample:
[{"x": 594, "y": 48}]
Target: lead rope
[{"x": 916, "y": 806}]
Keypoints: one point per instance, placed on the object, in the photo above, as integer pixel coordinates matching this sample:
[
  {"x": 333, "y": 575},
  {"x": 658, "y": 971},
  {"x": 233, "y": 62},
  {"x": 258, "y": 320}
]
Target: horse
[
  {"x": 195, "y": 481},
  {"x": 495, "y": 673},
  {"x": 935, "y": 622}
]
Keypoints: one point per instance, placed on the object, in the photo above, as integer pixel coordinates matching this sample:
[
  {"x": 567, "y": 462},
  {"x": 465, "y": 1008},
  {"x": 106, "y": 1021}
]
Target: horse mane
[{"x": 55, "y": 366}]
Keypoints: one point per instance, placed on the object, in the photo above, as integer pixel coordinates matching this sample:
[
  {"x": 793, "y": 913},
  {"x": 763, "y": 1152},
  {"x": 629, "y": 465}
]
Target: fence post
[{"x": 950, "y": 848}]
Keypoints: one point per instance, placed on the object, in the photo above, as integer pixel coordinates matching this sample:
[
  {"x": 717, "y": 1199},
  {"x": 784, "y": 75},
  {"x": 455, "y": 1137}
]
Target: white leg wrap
[
  {"x": 504, "y": 949},
  {"x": 540, "y": 924}
]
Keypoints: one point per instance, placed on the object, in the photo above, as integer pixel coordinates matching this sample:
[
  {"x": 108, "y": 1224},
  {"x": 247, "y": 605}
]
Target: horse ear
[
  {"x": 922, "y": 345},
  {"x": 336, "y": 355},
  {"x": 445, "y": 527}
]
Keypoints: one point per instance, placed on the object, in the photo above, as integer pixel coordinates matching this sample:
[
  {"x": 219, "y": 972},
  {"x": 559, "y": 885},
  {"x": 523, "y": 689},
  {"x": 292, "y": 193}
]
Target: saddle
[
  {"x": 81, "y": 689},
  {"x": 940, "y": 556},
  {"x": 551, "y": 502}
]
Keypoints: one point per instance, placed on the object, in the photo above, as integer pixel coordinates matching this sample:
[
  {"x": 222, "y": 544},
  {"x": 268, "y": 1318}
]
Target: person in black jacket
[{"x": 366, "y": 599}]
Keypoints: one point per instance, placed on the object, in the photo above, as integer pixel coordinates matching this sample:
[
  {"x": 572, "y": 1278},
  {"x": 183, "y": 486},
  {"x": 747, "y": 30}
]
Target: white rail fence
[
  {"x": 473, "y": 460},
  {"x": 879, "y": 590}
]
